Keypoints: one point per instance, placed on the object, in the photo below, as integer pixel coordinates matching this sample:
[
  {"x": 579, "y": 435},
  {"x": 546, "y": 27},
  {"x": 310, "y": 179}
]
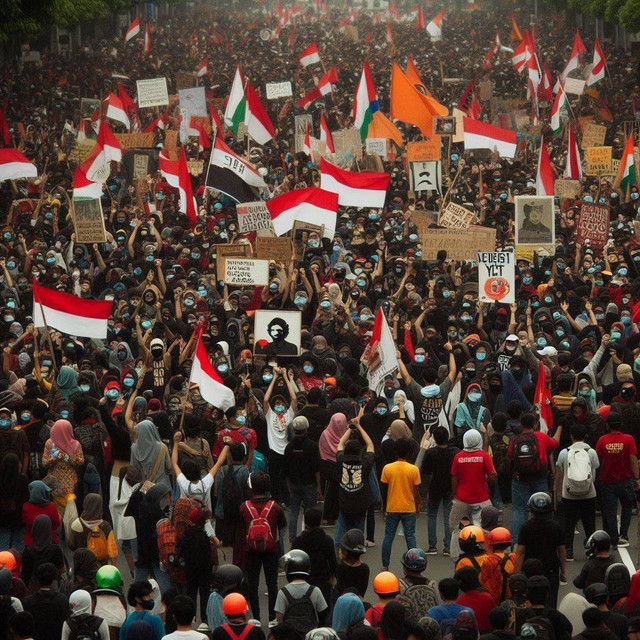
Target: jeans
[
  {"x": 610, "y": 494},
  {"x": 495, "y": 495},
  {"x": 391, "y": 526},
  {"x": 433, "y": 504},
  {"x": 12, "y": 537},
  {"x": 346, "y": 522},
  {"x": 575, "y": 510},
  {"x": 300, "y": 494},
  {"x": 521, "y": 491},
  {"x": 255, "y": 561},
  {"x": 161, "y": 577}
]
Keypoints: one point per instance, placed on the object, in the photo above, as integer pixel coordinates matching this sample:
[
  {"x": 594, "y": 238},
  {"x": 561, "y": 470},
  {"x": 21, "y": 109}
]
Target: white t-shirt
[
  {"x": 277, "y": 429},
  {"x": 185, "y": 635},
  {"x": 200, "y": 490}
]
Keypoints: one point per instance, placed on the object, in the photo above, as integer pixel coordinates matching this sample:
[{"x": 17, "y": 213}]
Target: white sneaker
[
  {"x": 272, "y": 623},
  {"x": 623, "y": 542}
]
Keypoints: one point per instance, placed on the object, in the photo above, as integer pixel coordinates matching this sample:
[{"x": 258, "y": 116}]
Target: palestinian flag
[
  {"x": 561, "y": 102},
  {"x": 627, "y": 173},
  {"x": 365, "y": 103},
  {"x": 236, "y": 105}
]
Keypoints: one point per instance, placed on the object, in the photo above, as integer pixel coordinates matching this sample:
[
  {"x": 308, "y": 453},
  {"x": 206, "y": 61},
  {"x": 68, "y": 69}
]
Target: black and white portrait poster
[
  {"x": 277, "y": 332},
  {"x": 426, "y": 176},
  {"x": 534, "y": 220}
]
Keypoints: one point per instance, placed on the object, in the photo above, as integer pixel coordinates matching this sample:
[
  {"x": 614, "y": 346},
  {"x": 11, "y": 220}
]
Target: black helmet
[
  {"x": 297, "y": 563},
  {"x": 227, "y": 579},
  {"x": 618, "y": 581},
  {"x": 353, "y": 542},
  {"x": 596, "y": 593},
  {"x": 415, "y": 560},
  {"x": 599, "y": 541},
  {"x": 540, "y": 502}
]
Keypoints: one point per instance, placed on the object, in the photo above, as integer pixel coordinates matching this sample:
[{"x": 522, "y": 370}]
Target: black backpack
[
  {"x": 301, "y": 613},
  {"x": 526, "y": 454},
  {"x": 232, "y": 494},
  {"x": 500, "y": 453},
  {"x": 84, "y": 627}
]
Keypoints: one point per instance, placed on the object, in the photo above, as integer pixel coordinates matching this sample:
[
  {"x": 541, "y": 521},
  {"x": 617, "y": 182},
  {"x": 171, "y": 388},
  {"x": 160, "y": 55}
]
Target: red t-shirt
[
  {"x": 613, "y": 450},
  {"x": 31, "y": 511},
  {"x": 545, "y": 444},
  {"x": 471, "y": 467},
  {"x": 244, "y": 434},
  {"x": 481, "y": 603}
]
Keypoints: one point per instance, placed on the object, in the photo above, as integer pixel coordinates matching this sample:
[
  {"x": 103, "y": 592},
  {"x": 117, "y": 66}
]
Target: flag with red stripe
[
  {"x": 211, "y": 387},
  {"x": 312, "y": 205},
  {"x": 363, "y": 189}
]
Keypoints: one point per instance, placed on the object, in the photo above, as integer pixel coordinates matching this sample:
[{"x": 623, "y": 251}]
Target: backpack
[
  {"x": 259, "y": 536},
  {"x": 417, "y": 600},
  {"x": 97, "y": 543},
  {"x": 579, "y": 472},
  {"x": 84, "y": 627},
  {"x": 232, "y": 494},
  {"x": 500, "y": 453},
  {"x": 300, "y": 613},
  {"x": 526, "y": 454},
  {"x": 446, "y": 628},
  {"x": 538, "y": 628}
]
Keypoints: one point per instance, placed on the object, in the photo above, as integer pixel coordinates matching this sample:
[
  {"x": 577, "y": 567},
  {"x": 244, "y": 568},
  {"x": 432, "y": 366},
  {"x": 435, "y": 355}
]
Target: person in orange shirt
[
  {"x": 471, "y": 541},
  {"x": 498, "y": 565}
]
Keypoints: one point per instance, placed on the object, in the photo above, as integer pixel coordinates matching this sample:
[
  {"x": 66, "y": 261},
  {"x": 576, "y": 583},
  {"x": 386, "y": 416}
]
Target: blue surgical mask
[
  {"x": 541, "y": 342},
  {"x": 202, "y": 292},
  {"x": 267, "y": 377},
  {"x": 560, "y": 332},
  {"x": 273, "y": 287},
  {"x": 626, "y": 320},
  {"x": 381, "y": 410},
  {"x": 622, "y": 271},
  {"x": 146, "y": 324},
  {"x": 307, "y": 369},
  {"x": 361, "y": 283},
  {"x": 64, "y": 414},
  {"x": 11, "y": 265},
  {"x": 11, "y": 304},
  {"x": 279, "y": 408},
  {"x": 587, "y": 199},
  {"x": 150, "y": 257},
  {"x": 4, "y": 422},
  {"x": 128, "y": 382},
  {"x": 25, "y": 417},
  {"x": 527, "y": 280},
  {"x": 418, "y": 254},
  {"x": 373, "y": 216},
  {"x": 336, "y": 248},
  {"x": 475, "y": 396},
  {"x": 137, "y": 271},
  {"x": 223, "y": 368},
  {"x": 616, "y": 335},
  {"x": 84, "y": 388},
  {"x": 635, "y": 195},
  {"x": 446, "y": 294},
  {"x": 51, "y": 260},
  {"x": 455, "y": 157},
  {"x": 314, "y": 244},
  {"x": 241, "y": 419},
  {"x": 556, "y": 315},
  {"x": 420, "y": 357},
  {"x": 481, "y": 355},
  {"x": 325, "y": 304},
  {"x": 112, "y": 394},
  {"x": 413, "y": 237}
]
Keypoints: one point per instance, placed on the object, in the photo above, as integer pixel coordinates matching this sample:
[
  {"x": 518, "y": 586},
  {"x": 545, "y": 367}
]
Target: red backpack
[{"x": 259, "y": 535}]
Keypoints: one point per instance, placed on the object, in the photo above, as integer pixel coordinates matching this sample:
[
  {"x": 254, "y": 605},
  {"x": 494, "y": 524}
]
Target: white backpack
[{"x": 579, "y": 473}]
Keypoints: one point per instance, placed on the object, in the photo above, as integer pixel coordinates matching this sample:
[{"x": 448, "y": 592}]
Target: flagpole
[{"x": 48, "y": 335}]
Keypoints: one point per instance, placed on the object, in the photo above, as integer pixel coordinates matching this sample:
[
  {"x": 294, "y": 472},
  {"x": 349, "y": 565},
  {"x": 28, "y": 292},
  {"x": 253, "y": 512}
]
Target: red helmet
[
  {"x": 234, "y": 604},
  {"x": 499, "y": 535}
]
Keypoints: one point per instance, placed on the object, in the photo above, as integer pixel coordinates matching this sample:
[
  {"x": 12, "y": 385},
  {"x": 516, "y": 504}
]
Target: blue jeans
[
  {"x": 494, "y": 495},
  {"x": 300, "y": 494},
  {"x": 609, "y": 496},
  {"x": 433, "y": 505},
  {"x": 521, "y": 491},
  {"x": 391, "y": 526},
  {"x": 346, "y": 522}
]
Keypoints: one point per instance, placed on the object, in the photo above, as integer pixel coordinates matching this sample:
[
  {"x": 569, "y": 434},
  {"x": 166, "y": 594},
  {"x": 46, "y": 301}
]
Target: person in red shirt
[
  {"x": 471, "y": 470},
  {"x": 238, "y": 431},
  {"x": 481, "y": 602},
  {"x": 618, "y": 475},
  {"x": 529, "y": 475},
  {"x": 39, "y": 503}
]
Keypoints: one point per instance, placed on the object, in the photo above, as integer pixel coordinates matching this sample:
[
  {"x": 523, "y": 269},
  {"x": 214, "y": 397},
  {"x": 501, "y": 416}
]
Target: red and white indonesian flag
[
  {"x": 147, "y": 39},
  {"x": 169, "y": 169},
  {"x": 310, "y": 56},
  {"x": 14, "y": 165},
  {"x": 306, "y": 145},
  {"x": 84, "y": 188},
  {"x": 312, "y": 205},
  {"x": 544, "y": 179},
  {"x": 479, "y": 135},
  {"x": 597, "y": 70},
  {"x": 133, "y": 30},
  {"x": 212, "y": 389},
  {"x": 107, "y": 148},
  {"x": 325, "y": 134},
  {"x": 259, "y": 125},
  {"x": 116, "y": 110},
  {"x": 70, "y": 314},
  {"x": 325, "y": 86},
  {"x": 574, "y": 164},
  {"x": 434, "y": 29},
  {"x": 364, "y": 189},
  {"x": 574, "y": 60},
  {"x": 202, "y": 69}
]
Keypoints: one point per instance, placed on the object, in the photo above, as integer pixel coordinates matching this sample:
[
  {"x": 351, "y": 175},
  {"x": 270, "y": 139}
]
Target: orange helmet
[
  {"x": 234, "y": 604},
  {"x": 471, "y": 539},
  {"x": 8, "y": 561},
  {"x": 386, "y": 583},
  {"x": 499, "y": 535}
]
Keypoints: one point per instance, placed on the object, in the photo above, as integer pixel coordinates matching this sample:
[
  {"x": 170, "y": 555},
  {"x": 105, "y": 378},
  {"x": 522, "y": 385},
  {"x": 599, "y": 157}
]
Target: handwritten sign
[
  {"x": 239, "y": 271},
  {"x": 88, "y": 221},
  {"x": 140, "y": 166},
  {"x": 593, "y": 135},
  {"x": 423, "y": 220},
  {"x": 376, "y": 146},
  {"x": 81, "y": 151},
  {"x": 574, "y": 86},
  {"x": 253, "y": 216},
  {"x": 223, "y": 251},
  {"x": 348, "y": 141},
  {"x": 277, "y": 90},
  {"x": 454, "y": 216},
  {"x": 496, "y": 276},
  {"x": 152, "y": 93},
  {"x": 598, "y": 161},
  {"x": 195, "y": 167},
  {"x": 567, "y": 188},
  {"x": 424, "y": 150},
  {"x": 460, "y": 244},
  {"x": 593, "y": 224},
  {"x": 135, "y": 140},
  {"x": 278, "y": 249}
]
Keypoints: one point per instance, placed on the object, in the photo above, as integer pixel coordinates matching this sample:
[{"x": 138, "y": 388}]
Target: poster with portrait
[
  {"x": 534, "y": 220},
  {"x": 277, "y": 332}
]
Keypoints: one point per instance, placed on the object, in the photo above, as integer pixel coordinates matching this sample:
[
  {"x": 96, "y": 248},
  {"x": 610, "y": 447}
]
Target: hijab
[
  {"x": 62, "y": 437},
  {"x": 408, "y": 405},
  {"x": 85, "y": 566},
  {"x": 489, "y": 517},
  {"x": 147, "y": 446},
  {"x": 469, "y": 414},
  {"x": 80, "y": 602},
  {"x": 9, "y": 475},
  {"x": 67, "y": 382},
  {"x": 347, "y": 611},
  {"x": 330, "y": 437},
  {"x": 39, "y": 493},
  {"x": 41, "y": 532},
  {"x": 92, "y": 508},
  {"x": 5, "y": 581},
  {"x": 398, "y": 430},
  {"x": 472, "y": 440}
]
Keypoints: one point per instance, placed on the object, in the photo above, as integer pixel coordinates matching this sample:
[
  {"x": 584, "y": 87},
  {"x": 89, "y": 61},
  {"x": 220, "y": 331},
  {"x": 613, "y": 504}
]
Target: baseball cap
[
  {"x": 548, "y": 351},
  {"x": 300, "y": 423}
]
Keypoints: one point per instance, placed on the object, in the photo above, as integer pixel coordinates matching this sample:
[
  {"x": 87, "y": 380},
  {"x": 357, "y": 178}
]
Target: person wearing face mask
[
  {"x": 471, "y": 414},
  {"x": 238, "y": 430},
  {"x": 158, "y": 362},
  {"x": 309, "y": 377},
  {"x": 150, "y": 455},
  {"x": 140, "y": 600}
]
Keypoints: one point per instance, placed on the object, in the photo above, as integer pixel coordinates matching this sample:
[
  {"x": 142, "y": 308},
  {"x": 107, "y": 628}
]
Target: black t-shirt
[
  {"x": 221, "y": 634},
  {"x": 561, "y": 626},
  {"x": 541, "y": 539},
  {"x": 354, "y": 494},
  {"x": 349, "y": 576},
  {"x": 437, "y": 463},
  {"x": 301, "y": 460},
  {"x": 318, "y": 418}
]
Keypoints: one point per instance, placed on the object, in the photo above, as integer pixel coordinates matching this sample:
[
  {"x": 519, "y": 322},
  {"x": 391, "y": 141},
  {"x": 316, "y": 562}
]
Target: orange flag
[
  {"x": 515, "y": 32},
  {"x": 407, "y": 104},
  {"x": 434, "y": 107}
]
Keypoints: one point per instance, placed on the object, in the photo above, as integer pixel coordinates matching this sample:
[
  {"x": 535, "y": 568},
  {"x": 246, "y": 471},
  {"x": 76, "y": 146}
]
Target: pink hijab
[
  {"x": 62, "y": 437},
  {"x": 330, "y": 437}
]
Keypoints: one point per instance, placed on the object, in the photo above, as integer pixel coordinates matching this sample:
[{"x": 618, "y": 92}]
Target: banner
[
  {"x": 593, "y": 224},
  {"x": 135, "y": 140},
  {"x": 454, "y": 216},
  {"x": 88, "y": 221},
  {"x": 277, "y": 90},
  {"x": 598, "y": 161},
  {"x": 152, "y": 93},
  {"x": 496, "y": 276},
  {"x": 376, "y": 147},
  {"x": 574, "y": 86},
  {"x": 567, "y": 188},
  {"x": 424, "y": 150},
  {"x": 460, "y": 244},
  {"x": 253, "y": 216},
  {"x": 223, "y": 251},
  {"x": 239, "y": 271},
  {"x": 81, "y": 151}
]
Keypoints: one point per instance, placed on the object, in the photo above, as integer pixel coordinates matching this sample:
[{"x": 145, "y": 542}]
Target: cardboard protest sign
[
  {"x": 193, "y": 102},
  {"x": 535, "y": 222},
  {"x": 277, "y": 90},
  {"x": 277, "y": 332},
  {"x": 593, "y": 224},
  {"x": 598, "y": 161},
  {"x": 300, "y": 128},
  {"x": 593, "y": 135},
  {"x": 88, "y": 221},
  {"x": 347, "y": 141},
  {"x": 278, "y": 249},
  {"x": 253, "y": 216},
  {"x": 423, "y": 220},
  {"x": 376, "y": 146},
  {"x": 485, "y": 89},
  {"x": 458, "y": 136},
  {"x": 425, "y": 176},
  {"x": 300, "y": 234},
  {"x": 574, "y": 86},
  {"x": 195, "y": 167},
  {"x": 496, "y": 276},
  {"x": 171, "y": 144},
  {"x": 152, "y": 93},
  {"x": 223, "y": 251},
  {"x": 81, "y": 151},
  {"x": 242, "y": 271},
  {"x": 567, "y": 188},
  {"x": 185, "y": 80},
  {"x": 424, "y": 150},
  {"x": 460, "y": 244},
  {"x": 135, "y": 140},
  {"x": 455, "y": 216}
]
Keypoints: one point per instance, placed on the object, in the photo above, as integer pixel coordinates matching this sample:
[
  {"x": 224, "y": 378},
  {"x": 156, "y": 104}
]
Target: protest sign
[
  {"x": 425, "y": 176},
  {"x": 241, "y": 271},
  {"x": 152, "y": 93},
  {"x": 193, "y": 102},
  {"x": 574, "y": 86},
  {"x": 598, "y": 161},
  {"x": 444, "y": 125},
  {"x": 593, "y": 135},
  {"x": 535, "y": 223},
  {"x": 376, "y": 146},
  {"x": 454, "y": 216},
  {"x": 88, "y": 221},
  {"x": 458, "y": 115},
  {"x": 223, "y": 251},
  {"x": 567, "y": 188},
  {"x": 423, "y": 220},
  {"x": 300, "y": 235},
  {"x": 253, "y": 216},
  {"x": 460, "y": 244},
  {"x": 195, "y": 167},
  {"x": 185, "y": 80},
  {"x": 81, "y": 151},
  {"x": 171, "y": 144},
  {"x": 88, "y": 106},
  {"x": 135, "y": 140},
  {"x": 277, "y": 332},
  {"x": 593, "y": 224},
  {"x": 496, "y": 276},
  {"x": 278, "y": 249},
  {"x": 348, "y": 141},
  {"x": 277, "y": 90},
  {"x": 424, "y": 150},
  {"x": 140, "y": 166},
  {"x": 485, "y": 89}
]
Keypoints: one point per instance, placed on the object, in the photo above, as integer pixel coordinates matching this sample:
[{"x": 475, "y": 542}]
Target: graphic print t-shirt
[{"x": 355, "y": 493}]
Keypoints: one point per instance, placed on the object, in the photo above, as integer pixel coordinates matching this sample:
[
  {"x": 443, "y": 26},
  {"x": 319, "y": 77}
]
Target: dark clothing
[
  {"x": 32, "y": 559},
  {"x": 616, "y": 622},
  {"x": 599, "y": 633},
  {"x": 437, "y": 464},
  {"x": 220, "y": 633},
  {"x": 541, "y": 539},
  {"x": 562, "y": 628},
  {"x": 593, "y": 570},
  {"x": 349, "y": 576},
  {"x": 355, "y": 491},
  {"x": 49, "y": 609},
  {"x": 499, "y": 634},
  {"x": 255, "y": 562},
  {"x": 321, "y": 550},
  {"x": 301, "y": 461},
  {"x": 575, "y": 510},
  {"x": 318, "y": 418}
]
